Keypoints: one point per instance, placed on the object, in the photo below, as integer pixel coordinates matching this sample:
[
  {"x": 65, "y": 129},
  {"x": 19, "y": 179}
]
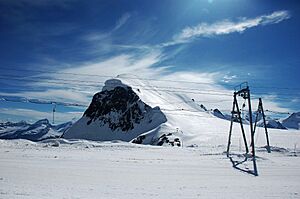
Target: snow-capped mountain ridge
[
  {"x": 293, "y": 121},
  {"x": 290, "y": 122},
  {"x": 10, "y": 124},
  {"x": 39, "y": 130}
]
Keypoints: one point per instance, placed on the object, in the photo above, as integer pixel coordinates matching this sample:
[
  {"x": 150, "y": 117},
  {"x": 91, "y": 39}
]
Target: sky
[{"x": 49, "y": 49}]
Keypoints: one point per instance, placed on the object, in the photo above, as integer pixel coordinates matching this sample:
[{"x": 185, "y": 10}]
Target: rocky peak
[
  {"x": 293, "y": 121},
  {"x": 118, "y": 106}
]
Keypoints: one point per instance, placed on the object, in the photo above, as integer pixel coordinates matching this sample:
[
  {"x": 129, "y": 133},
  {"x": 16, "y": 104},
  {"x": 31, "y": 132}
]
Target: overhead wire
[
  {"x": 177, "y": 111},
  {"x": 106, "y": 76},
  {"x": 210, "y": 92},
  {"x": 158, "y": 88},
  {"x": 86, "y": 83},
  {"x": 139, "y": 78}
]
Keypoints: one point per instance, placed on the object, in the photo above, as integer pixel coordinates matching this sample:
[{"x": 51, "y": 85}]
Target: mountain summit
[
  {"x": 293, "y": 121},
  {"x": 116, "y": 113}
]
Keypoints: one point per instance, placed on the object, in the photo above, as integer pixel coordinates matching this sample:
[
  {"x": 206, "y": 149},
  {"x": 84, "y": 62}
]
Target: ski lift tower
[{"x": 242, "y": 91}]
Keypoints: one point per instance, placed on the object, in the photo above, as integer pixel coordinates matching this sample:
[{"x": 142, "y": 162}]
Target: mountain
[
  {"x": 116, "y": 113},
  {"x": 40, "y": 130},
  {"x": 122, "y": 112},
  {"x": 271, "y": 123},
  {"x": 293, "y": 121}
]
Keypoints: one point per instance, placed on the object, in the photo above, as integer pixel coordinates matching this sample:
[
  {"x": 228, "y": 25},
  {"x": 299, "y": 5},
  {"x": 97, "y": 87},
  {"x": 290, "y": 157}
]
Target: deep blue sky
[{"x": 59, "y": 34}]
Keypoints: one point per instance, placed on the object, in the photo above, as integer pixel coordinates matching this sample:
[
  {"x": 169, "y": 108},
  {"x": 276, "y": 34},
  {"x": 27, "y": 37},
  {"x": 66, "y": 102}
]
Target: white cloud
[
  {"x": 227, "y": 26},
  {"x": 270, "y": 103},
  {"x": 295, "y": 100},
  {"x": 104, "y": 36},
  {"x": 89, "y": 78},
  {"x": 123, "y": 19},
  {"x": 139, "y": 64},
  {"x": 228, "y": 78}
]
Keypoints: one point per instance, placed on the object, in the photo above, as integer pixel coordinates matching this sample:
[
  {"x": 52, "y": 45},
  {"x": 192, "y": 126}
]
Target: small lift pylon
[
  {"x": 260, "y": 110},
  {"x": 242, "y": 91}
]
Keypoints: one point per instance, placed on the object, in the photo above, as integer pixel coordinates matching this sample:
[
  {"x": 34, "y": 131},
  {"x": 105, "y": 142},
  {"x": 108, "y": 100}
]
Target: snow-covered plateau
[
  {"x": 89, "y": 162},
  {"x": 88, "y": 169}
]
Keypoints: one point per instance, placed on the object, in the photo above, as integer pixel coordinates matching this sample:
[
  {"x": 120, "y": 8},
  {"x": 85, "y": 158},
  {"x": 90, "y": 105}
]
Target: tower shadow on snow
[{"x": 239, "y": 165}]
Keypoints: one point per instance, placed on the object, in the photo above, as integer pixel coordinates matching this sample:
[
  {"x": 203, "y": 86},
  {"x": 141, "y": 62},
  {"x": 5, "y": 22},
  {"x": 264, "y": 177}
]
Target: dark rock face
[
  {"x": 139, "y": 139},
  {"x": 119, "y": 108},
  {"x": 164, "y": 139},
  {"x": 216, "y": 112}
]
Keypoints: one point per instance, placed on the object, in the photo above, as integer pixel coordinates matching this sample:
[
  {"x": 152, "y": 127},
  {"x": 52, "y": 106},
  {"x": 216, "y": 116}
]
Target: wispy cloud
[
  {"x": 139, "y": 64},
  {"x": 102, "y": 36},
  {"x": 227, "y": 26},
  {"x": 123, "y": 19},
  {"x": 228, "y": 78},
  {"x": 79, "y": 83}
]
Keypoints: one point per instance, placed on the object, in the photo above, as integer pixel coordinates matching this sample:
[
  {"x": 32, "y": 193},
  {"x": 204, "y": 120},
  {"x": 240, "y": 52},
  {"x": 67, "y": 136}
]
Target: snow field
[{"x": 82, "y": 169}]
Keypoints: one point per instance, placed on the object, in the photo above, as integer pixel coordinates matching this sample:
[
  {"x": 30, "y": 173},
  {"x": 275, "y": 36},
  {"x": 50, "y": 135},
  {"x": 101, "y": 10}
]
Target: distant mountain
[
  {"x": 40, "y": 130},
  {"x": 293, "y": 121},
  {"x": 271, "y": 123},
  {"x": 116, "y": 113}
]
